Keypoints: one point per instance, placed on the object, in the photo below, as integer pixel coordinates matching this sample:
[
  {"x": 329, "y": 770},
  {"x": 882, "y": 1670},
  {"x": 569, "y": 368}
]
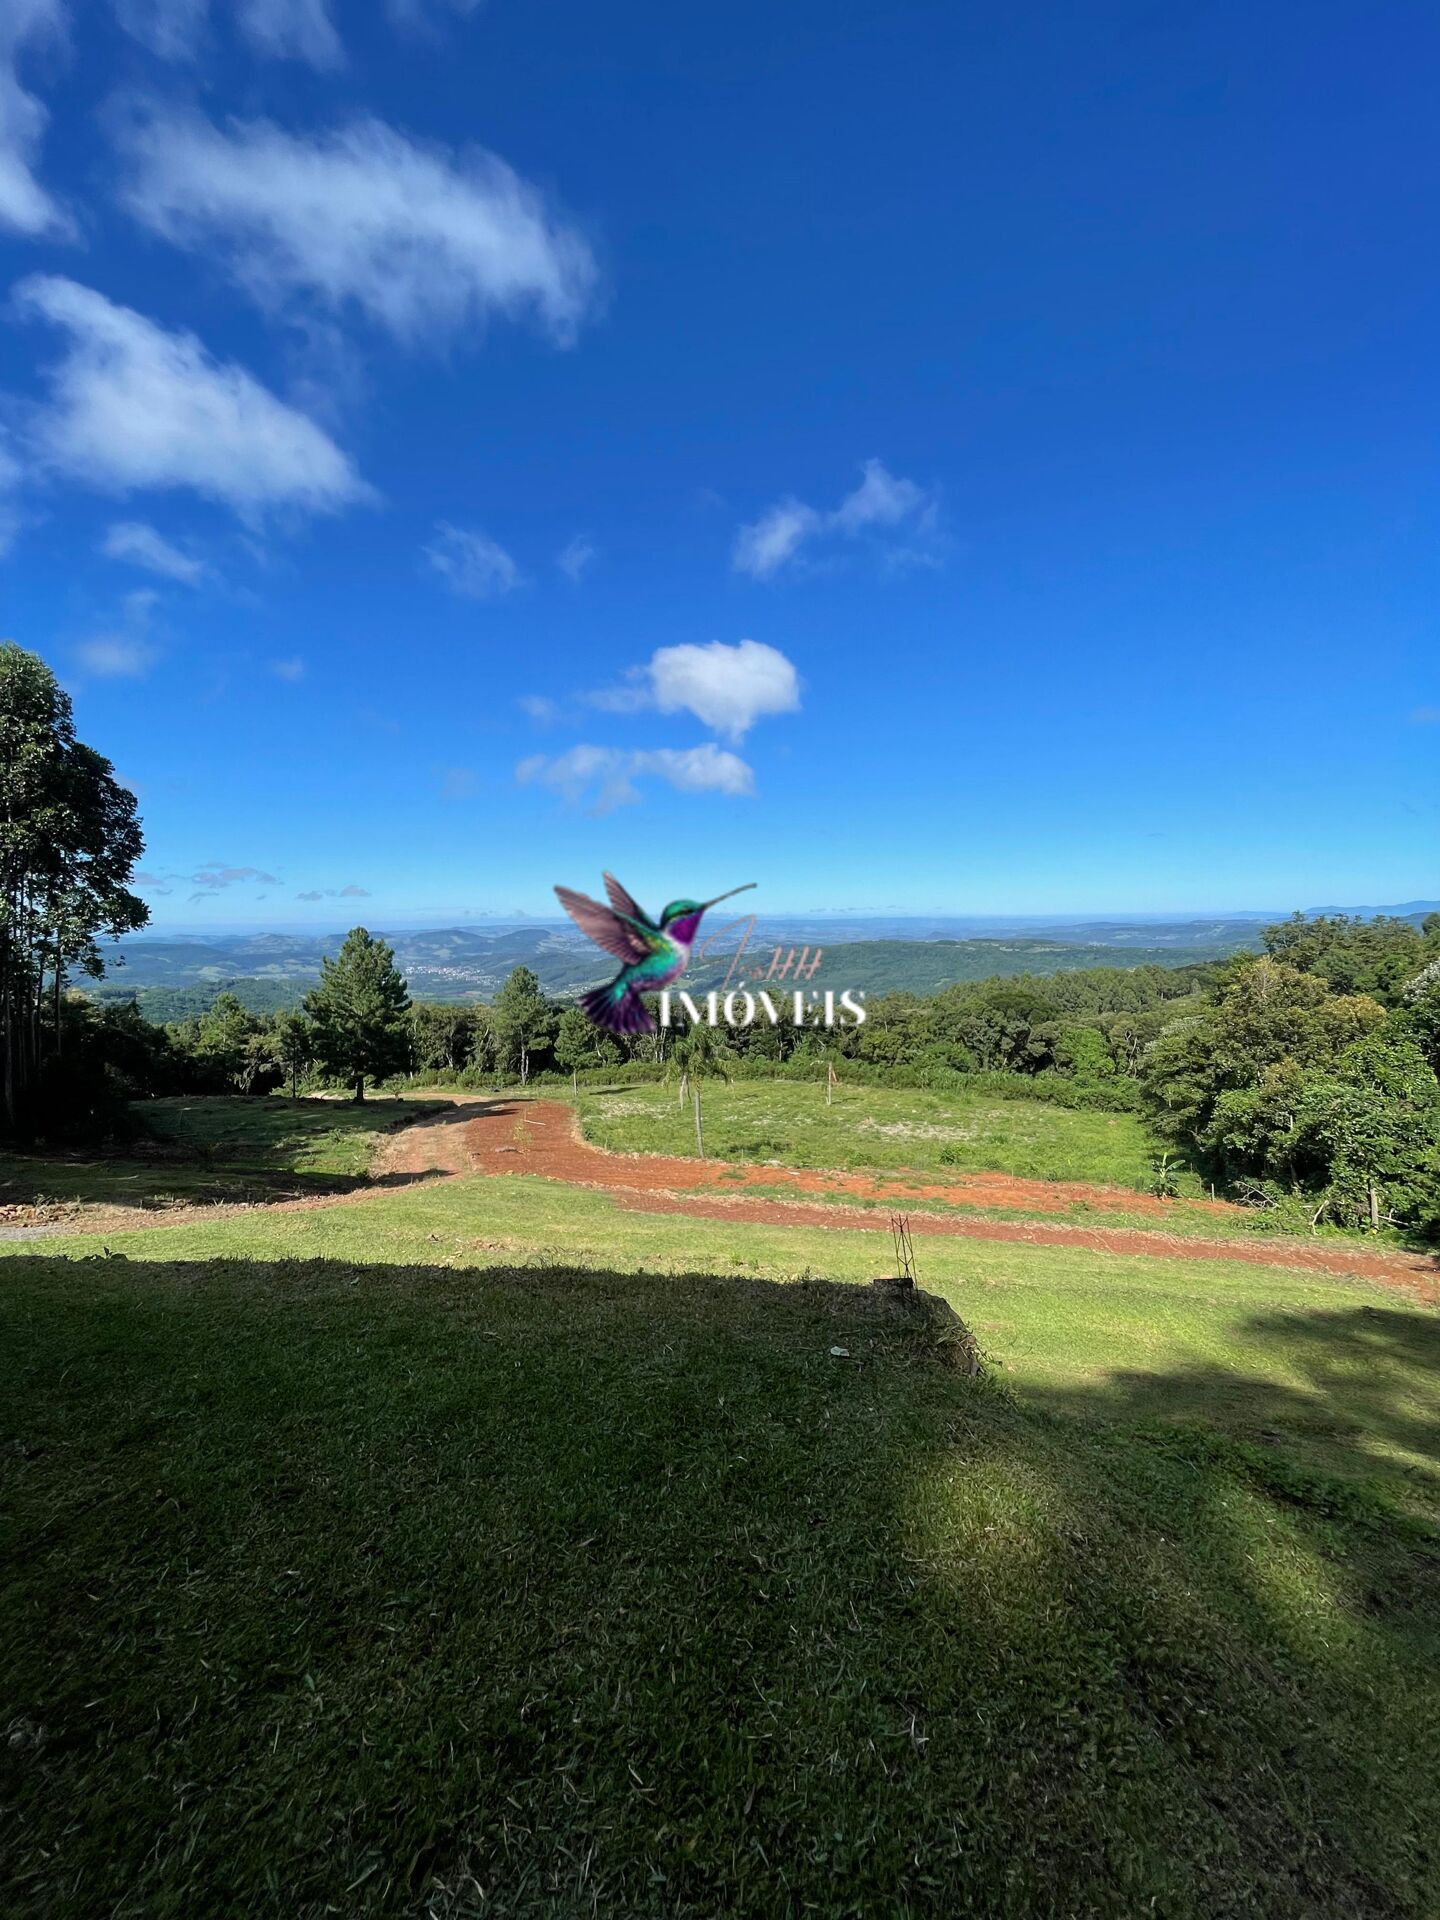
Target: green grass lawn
[
  {"x": 940, "y": 1135},
  {"x": 458, "y": 1552},
  {"x": 204, "y": 1149}
]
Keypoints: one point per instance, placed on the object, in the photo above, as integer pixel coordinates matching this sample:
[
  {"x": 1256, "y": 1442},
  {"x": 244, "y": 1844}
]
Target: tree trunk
[
  {"x": 1374, "y": 1196},
  {"x": 360, "y": 1090},
  {"x": 699, "y": 1136}
]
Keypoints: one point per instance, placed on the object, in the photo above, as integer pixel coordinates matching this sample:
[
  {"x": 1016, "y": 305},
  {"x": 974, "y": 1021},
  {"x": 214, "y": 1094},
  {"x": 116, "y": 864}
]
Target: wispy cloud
[
  {"x": 125, "y": 651},
  {"x": 215, "y": 877},
  {"x": 540, "y": 708},
  {"x": 25, "y": 206},
  {"x": 1425, "y": 716},
  {"x": 134, "y": 407},
  {"x": 292, "y": 30},
  {"x": 139, "y": 545},
  {"x": 423, "y": 241},
  {"x": 727, "y": 688},
  {"x": 607, "y": 777},
  {"x": 335, "y": 893},
  {"x": 292, "y": 669},
  {"x": 575, "y": 558},
  {"x": 282, "y": 29},
  {"x": 458, "y": 783},
  {"x": 471, "y": 563},
  {"x": 895, "y": 515}
]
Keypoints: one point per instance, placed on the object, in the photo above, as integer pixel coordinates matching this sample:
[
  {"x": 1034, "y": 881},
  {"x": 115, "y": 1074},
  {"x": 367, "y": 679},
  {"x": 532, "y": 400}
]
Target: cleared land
[
  {"x": 477, "y": 1545},
  {"x": 471, "y": 1549},
  {"x": 197, "y": 1150},
  {"x": 885, "y": 1128}
]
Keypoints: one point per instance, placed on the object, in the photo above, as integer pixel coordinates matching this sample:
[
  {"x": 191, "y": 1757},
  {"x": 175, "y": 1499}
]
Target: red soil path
[
  {"x": 542, "y": 1137},
  {"x": 496, "y": 1135}
]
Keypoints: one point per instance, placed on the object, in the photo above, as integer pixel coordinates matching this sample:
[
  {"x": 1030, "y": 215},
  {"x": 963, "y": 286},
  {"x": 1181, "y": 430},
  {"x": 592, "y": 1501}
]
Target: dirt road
[
  {"x": 543, "y": 1137},
  {"x": 496, "y": 1135}
]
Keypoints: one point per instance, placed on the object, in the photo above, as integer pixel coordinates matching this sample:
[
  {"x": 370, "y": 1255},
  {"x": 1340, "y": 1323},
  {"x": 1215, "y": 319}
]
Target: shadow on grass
[
  {"x": 1362, "y": 1386},
  {"x": 420, "y": 1590}
]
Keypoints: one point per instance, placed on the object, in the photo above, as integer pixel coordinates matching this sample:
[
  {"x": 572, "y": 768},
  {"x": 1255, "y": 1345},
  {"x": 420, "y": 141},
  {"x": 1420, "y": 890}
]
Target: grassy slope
[
  {"x": 877, "y": 1127},
  {"x": 398, "y": 1581},
  {"x": 215, "y": 1149}
]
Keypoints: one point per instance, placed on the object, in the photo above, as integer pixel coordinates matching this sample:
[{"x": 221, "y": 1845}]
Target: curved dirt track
[
  {"x": 494, "y": 1135},
  {"x": 543, "y": 1137}
]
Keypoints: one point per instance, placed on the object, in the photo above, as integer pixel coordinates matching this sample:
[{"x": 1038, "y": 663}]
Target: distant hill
[{"x": 172, "y": 978}]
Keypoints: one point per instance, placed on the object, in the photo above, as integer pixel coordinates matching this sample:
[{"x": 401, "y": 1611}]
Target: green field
[
  {"x": 483, "y": 1548},
  {"x": 885, "y": 1128},
  {"x": 197, "y": 1148}
]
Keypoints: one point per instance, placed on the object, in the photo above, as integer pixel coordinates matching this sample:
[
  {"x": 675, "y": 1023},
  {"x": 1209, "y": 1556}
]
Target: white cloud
[
  {"x": 458, "y": 783},
  {"x": 284, "y": 29},
  {"x": 291, "y": 30},
  {"x": 472, "y": 563},
  {"x": 141, "y": 546},
  {"x": 765, "y": 545},
  {"x": 540, "y": 708},
  {"x": 292, "y": 669},
  {"x": 727, "y": 688},
  {"x": 882, "y": 501},
  {"x": 133, "y": 406},
  {"x": 575, "y": 556},
  {"x": 422, "y": 241},
  {"x": 116, "y": 656},
  {"x": 25, "y": 205},
  {"x": 607, "y": 775},
  {"x": 127, "y": 651}
]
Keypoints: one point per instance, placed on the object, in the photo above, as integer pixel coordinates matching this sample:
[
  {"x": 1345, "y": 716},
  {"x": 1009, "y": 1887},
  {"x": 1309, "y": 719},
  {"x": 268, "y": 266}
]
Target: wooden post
[
  {"x": 829, "y": 1085},
  {"x": 699, "y": 1136},
  {"x": 575, "y": 1080},
  {"x": 684, "y": 1089},
  {"x": 1374, "y": 1194}
]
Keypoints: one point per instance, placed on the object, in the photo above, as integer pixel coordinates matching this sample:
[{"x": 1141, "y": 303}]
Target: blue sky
[{"x": 931, "y": 458}]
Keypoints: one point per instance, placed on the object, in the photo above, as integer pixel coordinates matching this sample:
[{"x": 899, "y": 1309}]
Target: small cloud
[
  {"x": 727, "y": 688},
  {"x": 335, "y": 893},
  {"x": 354, "y": 893},
  {"x": 458, "y": 783},
  {"x": 575, "y": 557},
  {"x": 138, "y": 544},
  {"x": 110, "y": 656},
  {"x": 607, "y": 776},
  {"x": 126, "y": 652},
  {"x": 215, "y": 878},
  {"x": 291, "y": 669},
  {"x": 884, "y": 504},
  {"x": 777, "y": 536},
  {"x": 472, "y": 563},
  {"x": 540, "y": 708},
  {"x": 313, "y": 894},
  {"x": 1425, "y": 717}
]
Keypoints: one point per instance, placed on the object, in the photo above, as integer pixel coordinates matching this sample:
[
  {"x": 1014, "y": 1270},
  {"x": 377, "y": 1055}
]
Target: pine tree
[{"x": 361, "y": 1012}]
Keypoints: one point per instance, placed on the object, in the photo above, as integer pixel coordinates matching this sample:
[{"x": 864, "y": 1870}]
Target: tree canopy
[{"x": 69, "y": 841}]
